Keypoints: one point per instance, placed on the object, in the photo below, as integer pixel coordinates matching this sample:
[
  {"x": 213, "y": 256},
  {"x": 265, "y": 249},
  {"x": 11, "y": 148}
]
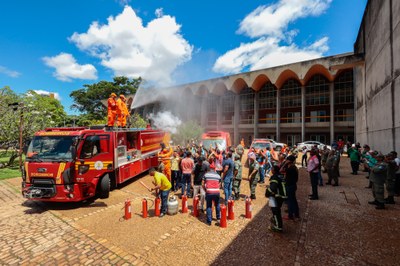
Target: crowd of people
[{"x": 202, "y": 172}]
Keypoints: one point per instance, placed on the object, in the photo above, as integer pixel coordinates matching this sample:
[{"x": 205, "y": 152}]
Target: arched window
[
  {"x": 247, "y": 106},
  {"x": 344, "y": 88},
  {"x": 212, "y": 101},
  {"x": 317, "y": 91},
  {"x": 291, "y": 102},
  {"x": 228, "y": 108},
  {"x": 291, "y": 94},
  {"x": 344, "y": 97},
  {"x": 268, "y": 96},
  {"x": 267, "y": 104}
]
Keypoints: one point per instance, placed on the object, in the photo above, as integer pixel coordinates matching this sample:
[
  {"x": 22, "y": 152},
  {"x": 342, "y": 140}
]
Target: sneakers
[
  {"x": 380, "y": 206},
  {"x": 253, "y": 196},
  {"x": 275, "y": 229},
  {"x": 162, "y": 215}
]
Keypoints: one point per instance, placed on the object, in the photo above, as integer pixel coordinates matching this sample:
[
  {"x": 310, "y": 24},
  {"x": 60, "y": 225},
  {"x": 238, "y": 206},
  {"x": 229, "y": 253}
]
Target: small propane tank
[{"x": 172, "y": 205}]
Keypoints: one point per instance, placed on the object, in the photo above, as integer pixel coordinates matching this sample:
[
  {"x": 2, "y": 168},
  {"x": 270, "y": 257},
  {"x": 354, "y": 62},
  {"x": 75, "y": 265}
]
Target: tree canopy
[
  {"x": 186, "y": 132},
  {"x": 88, "y": 100},
  {"x": 37, "y": 112}
]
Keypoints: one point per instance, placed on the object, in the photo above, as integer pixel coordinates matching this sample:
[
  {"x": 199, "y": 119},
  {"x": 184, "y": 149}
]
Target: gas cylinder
[
  {"x": 222, "y": 221},
  {"x": 248, "y": 208},
  {"x": 172, "y": 205},
  {"x": 196, "y": 206},
  {"x": 157, "y": 206},
  {"x": 128, "y": 210},
  {"x": 144, "y": 208},
  {"x": 231, "y": 214},
  {"x": 184, "y": 204}
]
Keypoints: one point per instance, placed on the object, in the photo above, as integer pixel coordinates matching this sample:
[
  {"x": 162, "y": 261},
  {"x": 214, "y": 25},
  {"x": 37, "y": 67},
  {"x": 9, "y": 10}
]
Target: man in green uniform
[
  {"x": 391, "y": 178},
  {"x": 237, "y": 176},
  {"x": 254, "y": 175},
  {"x": 240, "y": 150},
  {"x": 378, "y": 177}
]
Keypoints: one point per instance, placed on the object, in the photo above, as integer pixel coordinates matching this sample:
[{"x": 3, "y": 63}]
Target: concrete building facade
[
  {"x": 310, "y": 100},
  {"x": 377, "y": 82}
]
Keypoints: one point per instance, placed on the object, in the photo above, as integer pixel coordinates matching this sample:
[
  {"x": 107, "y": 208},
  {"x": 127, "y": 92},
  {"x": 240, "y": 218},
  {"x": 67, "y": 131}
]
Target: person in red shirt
[
  {"x": 211, "y": 184},
  {"x": 187, "y": 166}
]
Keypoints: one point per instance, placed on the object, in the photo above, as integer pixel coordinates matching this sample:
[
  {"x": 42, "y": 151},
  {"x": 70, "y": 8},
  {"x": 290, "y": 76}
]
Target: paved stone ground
[
  {"x": 339, "y": 229},
  {"x": 30, "y": 235}
]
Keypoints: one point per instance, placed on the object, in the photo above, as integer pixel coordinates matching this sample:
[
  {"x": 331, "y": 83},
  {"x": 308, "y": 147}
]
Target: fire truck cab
[
  {"x": 74, "y": 164},
  {"x": 216, "y": 139}
]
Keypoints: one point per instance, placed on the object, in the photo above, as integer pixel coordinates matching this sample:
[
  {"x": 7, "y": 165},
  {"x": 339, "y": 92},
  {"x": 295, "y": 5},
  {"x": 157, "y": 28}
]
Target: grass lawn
[{"x": 9, "y": 172}]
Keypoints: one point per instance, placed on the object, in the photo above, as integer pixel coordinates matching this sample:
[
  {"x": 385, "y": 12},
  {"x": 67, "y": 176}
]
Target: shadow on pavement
[
  {"x": 256, "y": 245},
  {"x": 39, "y": 207}
]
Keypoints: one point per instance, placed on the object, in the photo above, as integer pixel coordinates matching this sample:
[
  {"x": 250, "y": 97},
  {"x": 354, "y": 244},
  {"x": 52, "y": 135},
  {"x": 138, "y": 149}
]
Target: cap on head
[
  {"x": 122, "y": 96},
  {"x": 113, "y": 95}
]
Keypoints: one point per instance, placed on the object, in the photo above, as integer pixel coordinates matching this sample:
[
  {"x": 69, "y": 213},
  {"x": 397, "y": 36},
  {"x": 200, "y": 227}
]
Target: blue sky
[{"x": 58, "y": 46}]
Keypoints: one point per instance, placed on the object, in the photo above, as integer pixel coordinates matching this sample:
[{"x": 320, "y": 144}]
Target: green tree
[
  {"x": 90, "y": 99},
  {"x": 37, "y": 112},
  {"x": 136, "y": 121},
  {"x": 9, "y": 130},
  {"x": 187, "y": 131}
]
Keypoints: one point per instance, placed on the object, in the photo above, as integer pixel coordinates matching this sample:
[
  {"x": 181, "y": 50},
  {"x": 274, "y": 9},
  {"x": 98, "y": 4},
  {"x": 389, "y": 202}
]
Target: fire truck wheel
[{"x": 104, "y": 189}]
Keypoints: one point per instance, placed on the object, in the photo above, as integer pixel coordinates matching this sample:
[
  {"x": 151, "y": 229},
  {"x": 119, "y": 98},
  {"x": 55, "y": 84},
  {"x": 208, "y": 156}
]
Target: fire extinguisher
[
  {"x": 128, "y": 211},
  {"x": 157, "y": 207},
  {"x": 144, "y": 208},
  {"x": 184, "y": 204},
  {"x": 222, "y": 222},
  {"x": 231, "y": 214},
  {"x": 248, "y": 208},
  {"x": 196, "y": 206}
]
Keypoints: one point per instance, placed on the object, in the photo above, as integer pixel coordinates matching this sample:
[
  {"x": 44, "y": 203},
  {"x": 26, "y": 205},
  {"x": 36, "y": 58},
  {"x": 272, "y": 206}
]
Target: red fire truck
[
  {"x": 216, "y": 139},
  {"x": 73, "y": 164}
]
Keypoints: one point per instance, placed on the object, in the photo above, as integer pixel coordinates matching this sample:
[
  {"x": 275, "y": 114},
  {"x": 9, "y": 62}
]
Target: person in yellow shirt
[{"x": 162, "y": 186}]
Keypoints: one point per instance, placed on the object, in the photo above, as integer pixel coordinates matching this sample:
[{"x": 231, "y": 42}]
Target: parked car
[{"x": 310, "y": 144}]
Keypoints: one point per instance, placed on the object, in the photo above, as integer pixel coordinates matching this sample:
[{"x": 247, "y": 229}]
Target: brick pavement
[{"x": 30, "y": 235}]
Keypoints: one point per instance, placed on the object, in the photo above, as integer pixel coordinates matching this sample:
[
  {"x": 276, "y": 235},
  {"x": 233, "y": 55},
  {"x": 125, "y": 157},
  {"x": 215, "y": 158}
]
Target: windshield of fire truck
[
  {"x": 51, "y": 148},
  {"x": 220, "y": 143}
]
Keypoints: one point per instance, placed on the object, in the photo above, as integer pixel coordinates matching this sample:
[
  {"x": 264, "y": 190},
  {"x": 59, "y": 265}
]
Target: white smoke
[{"x": 165, "y": 121}]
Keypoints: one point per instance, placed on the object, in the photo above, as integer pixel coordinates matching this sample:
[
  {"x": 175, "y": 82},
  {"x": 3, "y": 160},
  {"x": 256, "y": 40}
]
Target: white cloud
[
  {"x": 8, "y": 72},
  {"x": 132, "y": 49},
  {"x": 159, "y": 12},
  {"x": 66, "y": 68},
  {"x": 43, "y": 92},
  {"x": 274, "y": 45},
  {"x": 273, "y": 20}
]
